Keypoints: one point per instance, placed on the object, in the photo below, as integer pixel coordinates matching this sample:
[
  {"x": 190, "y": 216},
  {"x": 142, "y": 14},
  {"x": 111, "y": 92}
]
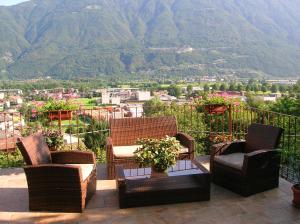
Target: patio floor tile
[{"x": 272, "y": 206}]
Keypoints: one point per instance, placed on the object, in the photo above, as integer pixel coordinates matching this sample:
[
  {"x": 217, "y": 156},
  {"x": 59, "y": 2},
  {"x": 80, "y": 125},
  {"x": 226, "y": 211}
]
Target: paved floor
[{"x": 273, "y": 206}]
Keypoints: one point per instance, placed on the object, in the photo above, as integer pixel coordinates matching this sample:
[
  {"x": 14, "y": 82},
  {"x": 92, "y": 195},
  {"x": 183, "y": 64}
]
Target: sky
[{"x": 11, "y": 2}]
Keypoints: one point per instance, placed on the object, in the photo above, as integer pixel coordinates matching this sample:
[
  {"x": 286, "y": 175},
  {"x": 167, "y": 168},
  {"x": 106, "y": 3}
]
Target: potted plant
[
  {"x": 215, "y": 105},
  {"x": 59, "y": 110},
  {"x": 54, "y": 139},
  {"x": 212, "y": 105},
  {"x": 160, "y": 154},
  {"x": 296, "y": 187}
]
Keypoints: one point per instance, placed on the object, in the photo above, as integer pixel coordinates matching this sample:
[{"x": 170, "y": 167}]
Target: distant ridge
[{"x": 88, "y": 38}]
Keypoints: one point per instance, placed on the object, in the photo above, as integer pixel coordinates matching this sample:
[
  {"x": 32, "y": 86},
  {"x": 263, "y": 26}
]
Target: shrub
[{"x": 54, "y": 139}]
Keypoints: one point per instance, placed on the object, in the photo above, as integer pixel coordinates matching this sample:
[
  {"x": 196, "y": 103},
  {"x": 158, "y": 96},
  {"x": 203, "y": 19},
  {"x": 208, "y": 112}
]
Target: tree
[
  {"x": 206, "y": 88},
  {"x": 189, "y": 90},
  {"x": 232, "y": 87},
  {"x": 153, "y": 106},
  {"x": 287, "y": 105},
  {"x": 223, "y": 87},
  {"x": 240, "y": 87},
  {"x": 282, "y": 89},
  {"x": 174, "y": 90},
  {"x": 264, "y": 89},
  {"x": 255, "y": 87},
  {"x": 254, "y": 101},
  {"x": 248, "y": 88},
  {"x": 274, "y": 88},
  {"x": 215, "y": 86}
]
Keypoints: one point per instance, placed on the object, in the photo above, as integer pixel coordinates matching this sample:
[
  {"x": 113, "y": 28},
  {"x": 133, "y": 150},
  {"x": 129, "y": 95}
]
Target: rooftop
[{"x": 273, "y": 206}]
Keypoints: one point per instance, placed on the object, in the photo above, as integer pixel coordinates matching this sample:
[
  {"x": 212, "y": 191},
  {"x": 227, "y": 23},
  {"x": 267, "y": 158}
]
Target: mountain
[{"x": 69, "y": 38}]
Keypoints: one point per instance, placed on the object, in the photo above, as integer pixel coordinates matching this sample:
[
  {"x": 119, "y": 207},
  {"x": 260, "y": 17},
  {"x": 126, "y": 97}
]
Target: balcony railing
[{"x": 88, "y": 128}]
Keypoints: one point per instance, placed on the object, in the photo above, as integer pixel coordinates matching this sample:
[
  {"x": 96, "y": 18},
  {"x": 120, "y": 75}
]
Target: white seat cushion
[
  {"x": 234, "y": 160},
  {"x": 86, "y": 169},
  {"x": 128, "y": 150}
]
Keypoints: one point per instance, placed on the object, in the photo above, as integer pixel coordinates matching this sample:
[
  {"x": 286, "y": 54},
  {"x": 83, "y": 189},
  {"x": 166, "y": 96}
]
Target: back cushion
[
  {"x": 262, "y": 136},
  {"x": 35, "y": 150},
  {"x": 126, "y": 131}
]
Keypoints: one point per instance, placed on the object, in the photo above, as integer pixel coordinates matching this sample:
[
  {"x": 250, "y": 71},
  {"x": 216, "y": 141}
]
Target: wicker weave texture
[
  {"x": 55, "y": 186},
  {"x": 127, "y": 131},
  {"x": 261, "y": 165},
  {"x": 262, "y": 136}
]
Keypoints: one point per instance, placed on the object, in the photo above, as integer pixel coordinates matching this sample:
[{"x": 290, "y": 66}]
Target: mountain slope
[{"x": 67, "y": 38}]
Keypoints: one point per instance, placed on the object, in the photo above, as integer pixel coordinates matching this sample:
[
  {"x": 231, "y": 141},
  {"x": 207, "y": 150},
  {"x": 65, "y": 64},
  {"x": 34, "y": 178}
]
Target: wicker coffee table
[{"x": 187, "y": 181}]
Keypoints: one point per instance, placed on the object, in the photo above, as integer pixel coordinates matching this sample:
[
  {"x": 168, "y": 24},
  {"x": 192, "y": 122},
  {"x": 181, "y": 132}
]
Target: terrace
[{"x": 273, "y": 206}]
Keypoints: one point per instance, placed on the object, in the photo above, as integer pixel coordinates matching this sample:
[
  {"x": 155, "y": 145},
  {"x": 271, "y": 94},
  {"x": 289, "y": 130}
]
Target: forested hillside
[{"x": 68, "y": 38}]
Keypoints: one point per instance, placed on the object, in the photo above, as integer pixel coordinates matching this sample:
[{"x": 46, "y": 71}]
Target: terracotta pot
[
  {"x": 215, "y": 108},
  {"x": 62, "y": 115},
  {"x": 296, "y": 199}
]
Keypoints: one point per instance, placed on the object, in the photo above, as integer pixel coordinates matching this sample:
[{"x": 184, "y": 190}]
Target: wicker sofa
[
  {"x": 251, "y": 166},
  {"x": 124, "y": 133},
  {"x": 57, "y": 181}
]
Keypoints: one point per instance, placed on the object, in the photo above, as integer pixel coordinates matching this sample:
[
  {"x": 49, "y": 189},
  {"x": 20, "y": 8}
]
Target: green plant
[
  {"x": 213, "y": 100},
  {"x": 94, "y": 139},
  {"x": 95, "y": 136},
  {"x": 54, "y": 139},
  {"x": 14, "y": 159},
  {"x": 157, "y": 153},
  {"x": 53, "y": 105}
]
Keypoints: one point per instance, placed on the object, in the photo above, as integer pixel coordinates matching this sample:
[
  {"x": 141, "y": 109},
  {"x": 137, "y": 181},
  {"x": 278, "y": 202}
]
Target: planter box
[
  {"x": 296, "y": 194},
  {"x": 60, "y": 115},
  {"x": 215, "y": 108}
]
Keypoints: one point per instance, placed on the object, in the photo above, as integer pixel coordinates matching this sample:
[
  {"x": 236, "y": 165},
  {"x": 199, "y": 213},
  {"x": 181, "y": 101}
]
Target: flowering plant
[
  {"x": 220, "y": 138},
  {"x": 157, "y": 153},
  {"x": 54, "y": 139}
]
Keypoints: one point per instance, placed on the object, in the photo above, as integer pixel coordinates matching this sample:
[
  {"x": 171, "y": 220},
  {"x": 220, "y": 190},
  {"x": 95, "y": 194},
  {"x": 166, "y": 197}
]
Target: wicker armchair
[
  {"x": 125, "y": 131},
  {"x": 57, "y": 181},
  {"x": 251, "y": 166}
]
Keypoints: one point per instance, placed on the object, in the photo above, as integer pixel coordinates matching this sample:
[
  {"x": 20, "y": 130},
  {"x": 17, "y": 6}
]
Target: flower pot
[
  {"x": 157, "y": 172},
  {"x": 296, "y": 192},
  {"x": 52, "y": 148},
  {"x": 215, "y": 108},
  {"x": 60, "y": 115}
]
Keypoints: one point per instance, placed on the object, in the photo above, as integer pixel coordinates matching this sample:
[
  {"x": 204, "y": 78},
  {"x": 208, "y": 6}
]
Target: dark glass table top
[{"x": 181, "y": 168}]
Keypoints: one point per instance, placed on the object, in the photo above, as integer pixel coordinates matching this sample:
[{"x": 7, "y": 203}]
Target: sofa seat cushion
[
  {"x": 128, "y": 150},
  {"x": 234, "y": 160},
  {"x": 86, "y": 169}
]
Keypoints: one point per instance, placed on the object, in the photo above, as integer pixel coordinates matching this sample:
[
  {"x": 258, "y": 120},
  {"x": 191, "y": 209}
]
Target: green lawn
[{"x": 87, "y": 103}]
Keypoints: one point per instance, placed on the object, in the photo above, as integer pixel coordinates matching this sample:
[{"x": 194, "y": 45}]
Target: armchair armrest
[
  {"x": 109, "y": 149},
  {"x": 120, "y": 173},
  {"x": 262, "y": 162},
  {"x": 80, "y": 157},
  {"x": 53, "y": 175},
  {"x": 228, "y": 148},
  {"x": 187, "y": 141},
  {"x": 120, "y": 177}
]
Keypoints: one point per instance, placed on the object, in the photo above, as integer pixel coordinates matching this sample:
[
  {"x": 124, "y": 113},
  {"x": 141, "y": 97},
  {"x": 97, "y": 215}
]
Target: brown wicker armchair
[
  {"x": 125, "y": 131},
  {"x": 57, "y": 181},
  {"x": 251, "y": 166}
]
